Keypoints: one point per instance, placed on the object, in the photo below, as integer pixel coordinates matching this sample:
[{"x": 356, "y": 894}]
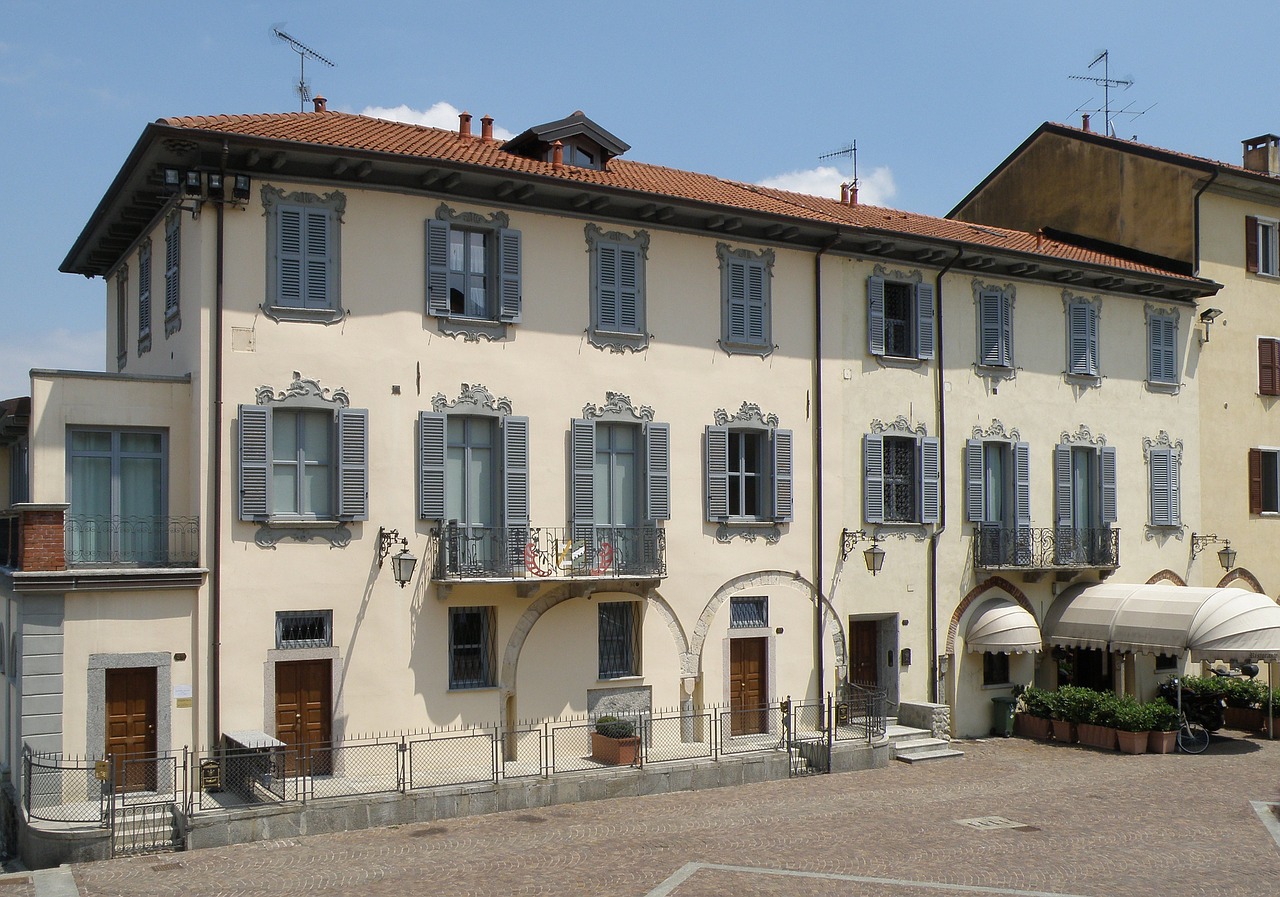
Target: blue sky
[{"x": 936, "y": 94}]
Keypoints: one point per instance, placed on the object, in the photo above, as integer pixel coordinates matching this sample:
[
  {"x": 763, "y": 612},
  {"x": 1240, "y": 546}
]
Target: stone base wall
[{"x": 922, "y": 715}]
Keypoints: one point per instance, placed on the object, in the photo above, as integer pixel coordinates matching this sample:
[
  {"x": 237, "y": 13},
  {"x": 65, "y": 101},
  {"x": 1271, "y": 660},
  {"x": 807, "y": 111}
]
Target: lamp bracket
[
  {"x": 849, "y": 539},
  {"x": 387, "y": 539},
  {"x": 1201, "y": 541}
]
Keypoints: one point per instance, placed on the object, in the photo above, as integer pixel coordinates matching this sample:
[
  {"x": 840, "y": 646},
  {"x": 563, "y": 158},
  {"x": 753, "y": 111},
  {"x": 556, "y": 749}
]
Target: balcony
[
  {"x": 533, "y": 554},
  {"x": 145, "y": 542},
  {"x": 1035, "y": 551}
]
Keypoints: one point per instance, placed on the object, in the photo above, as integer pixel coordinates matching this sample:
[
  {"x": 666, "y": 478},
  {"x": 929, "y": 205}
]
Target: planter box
[
  {"x": 1133, "y": 742},
  {"x": 1250, "y": 719},
  {"x": 1161, "y": 742},
  {"x": 1064, "y": 731},
  {"x": 1028, "y": 726},
  {"x": 1098, "y": 736},
  {"x": 614, "y": 751}
]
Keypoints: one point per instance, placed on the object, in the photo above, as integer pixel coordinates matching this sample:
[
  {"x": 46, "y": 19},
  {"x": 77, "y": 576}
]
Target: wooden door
[
  {"x": 304, "y": 713},
  {"x": 747, "y": 695},
  {"x": 864, "y": 653},
  {"x": 131, "y": 727}
]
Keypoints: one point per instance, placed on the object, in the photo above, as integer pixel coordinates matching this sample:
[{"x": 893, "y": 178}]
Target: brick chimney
[
  {"x": 1262, "y": 154},
  {"x": 486, "y": 129},
  {"x": 464, "y": 124},
  {"x": 321, "y": 104},
  {"x": 1084, "y": 121}
]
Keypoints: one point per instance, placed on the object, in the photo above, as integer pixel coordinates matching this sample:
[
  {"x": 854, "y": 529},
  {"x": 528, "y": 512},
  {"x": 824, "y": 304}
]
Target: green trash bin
[{"x": 1002, "y": 715}]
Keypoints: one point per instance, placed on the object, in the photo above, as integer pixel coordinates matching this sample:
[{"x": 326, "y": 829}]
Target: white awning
[
  {"x": 1213, "y": 624},
  {"x": 1002, "y": 627}
]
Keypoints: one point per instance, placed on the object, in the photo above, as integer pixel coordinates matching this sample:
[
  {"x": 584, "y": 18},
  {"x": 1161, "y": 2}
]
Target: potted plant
[
  {"x": 1245, "y": 700},
  {"x": 1075, "y": 707},
  {"x": 1133, "y": 725},
  {"x": 1100, "y": 731},
  {"x": 1164, "y": 726},
  {"x": 614, "y": 742},
  {"x": 1034, "y": 718}
]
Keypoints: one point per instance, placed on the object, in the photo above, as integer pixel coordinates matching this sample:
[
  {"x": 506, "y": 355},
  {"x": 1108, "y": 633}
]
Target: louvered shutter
[
  {"x": 1062, "y": 491},
  {"x": 1162, "y": 338},
  {"x": 607, "y": 286},
  {"x": 975, "y": 492},
  {"x": 930, "y": 480},
  {"x": 515, "y": 471},
  {"x": 924, "y": 320},
  {"x": 1169, "y": 365},
  {"x": 875, "y": 315},
  {"x": 630, "y": 309},
  {"x": 757, "y": 307},
  {"x": 716, "y": 461},
  {"x": 254, "y": 426},
  {"x": 1175, "y": 490},
  {"x": 873, "y": 478},
  {"x": 172, "y": 255},
  {"x": 582, "y": 481},
  {"x": 1095, "y": 365},
  {"x": 1022, "y": 484},
  {"x": 509, "y": 299},
  {"x": 1079, "y": 355},
  {"x": 1158, "y": 461},
  {"x": 1107, "y": 459},
  {"x": 319, "y": 260},
  {"x": 431, "y": 465},
  {"x": 144, "y": 290},
  {"x": 1269, "y": 367},
  {"x": 736, "y": 303},
  {"x": 1255, "y": 481},
  {"x": 1251, "y": 243},
  {"x": 993, "y": 329},
  {"x": 437, "y": 253},
  {"x": 353, "y": 463},
  {"x": 657, "y": 459},
  {"x": 783, "y": 480},
  {"x": 289, "y": 258}
]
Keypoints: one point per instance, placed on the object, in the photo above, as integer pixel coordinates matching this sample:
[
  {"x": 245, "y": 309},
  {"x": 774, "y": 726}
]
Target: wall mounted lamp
[
  {"x": 403, "y": 562},
  {"x": 205, "y": 187},
  {"x": 874, "y": 556},
  {"x": 1226, "y": 554},
  {"x": 1207, "y": 317}
]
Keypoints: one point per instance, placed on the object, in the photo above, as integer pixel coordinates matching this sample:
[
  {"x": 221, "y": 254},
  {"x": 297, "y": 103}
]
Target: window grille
[
  {"x": 619, "y": 639},
  {"x": 899, "y": 319},
  {"x": 471, "y": 632},
  {"x": 304, "y": 629},
  {"x": 900, "y": 479},
  {"x": 748, "y": 613}
]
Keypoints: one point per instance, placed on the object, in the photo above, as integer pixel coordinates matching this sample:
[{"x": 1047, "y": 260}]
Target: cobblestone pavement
[{"x": 1093, "y": 824}]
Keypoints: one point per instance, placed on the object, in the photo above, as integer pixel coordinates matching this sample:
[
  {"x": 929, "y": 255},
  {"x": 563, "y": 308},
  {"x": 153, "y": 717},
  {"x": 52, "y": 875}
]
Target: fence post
[
  {"x": 831, "y": 727},
  {"x": 26, "y": 777},
  {"x": 402, "y": 766}
]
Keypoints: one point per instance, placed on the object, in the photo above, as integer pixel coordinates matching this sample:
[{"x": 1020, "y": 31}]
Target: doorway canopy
[{"x": 1001, "y": 626}]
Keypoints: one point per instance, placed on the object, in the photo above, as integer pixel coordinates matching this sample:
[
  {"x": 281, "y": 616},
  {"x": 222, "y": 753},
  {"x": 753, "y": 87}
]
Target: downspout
[
  {"x": 1195, "y": 261},
  {"x": 215, "y": 565},
  {"x": 940, "y": 404},
  {"x": 819, "y": 655}
]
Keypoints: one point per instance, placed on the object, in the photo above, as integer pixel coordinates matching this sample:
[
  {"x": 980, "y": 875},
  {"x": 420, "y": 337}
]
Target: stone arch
[
  {"x": 1240, "y": 574},
  {"x": 994, "y": 582},
  {"x": 1167, "y": 575},
  {"x": 753, "y": 580}
]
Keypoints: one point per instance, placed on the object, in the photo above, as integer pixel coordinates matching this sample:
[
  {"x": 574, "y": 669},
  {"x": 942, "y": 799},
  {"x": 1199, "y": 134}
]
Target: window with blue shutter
[
  {"x": 617, "y": 266},
  {"x": 749, "y": 474},
  {"x": 930, "y": 480},
  {"x": 746, "y": 314},
  {"x": 657, "y": 456},
  {"x": 144, "y": 297},
  {"x": 302, "y": 256},
  {"x": 172, "y": 260},
  {"x": 995, "y": 327},
  {"x": 1162, "y": 348},
  {"x": 873, "y": 478},
  {"x": 900, "y": 318},
  {"x": 473, "y": 272},
  {"x": 1082, "y": 338},
  {"x": 253, "y": 426},
  {"x": 975, "y": 481},
  {"x": 431, "y": 465},
  {"x": 353, "y": 464},
  {"x": 1165, "y": 486}
]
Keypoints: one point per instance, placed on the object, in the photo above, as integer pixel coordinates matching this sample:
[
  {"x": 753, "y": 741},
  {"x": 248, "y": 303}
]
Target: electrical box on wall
[{"x": 905, "y": 658}]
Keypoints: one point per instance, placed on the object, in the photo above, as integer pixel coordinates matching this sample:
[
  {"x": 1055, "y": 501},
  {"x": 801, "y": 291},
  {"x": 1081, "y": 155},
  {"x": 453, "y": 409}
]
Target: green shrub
[
  {"x": 1164, "y": 716},
  {"x": 612, "y": 727},
  {"x": 1076, "y": 704},
  {"x": 1035, "y": 701},
  {"x": 1130, "y": 716},
  {"x": 1246, "y": 693},
  {"x": 1106, "y": 710}
]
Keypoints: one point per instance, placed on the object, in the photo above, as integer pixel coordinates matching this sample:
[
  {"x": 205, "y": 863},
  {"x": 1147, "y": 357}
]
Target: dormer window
[
  {"x": 575, "y": 155},
  {"x": 584, "y": 143}
]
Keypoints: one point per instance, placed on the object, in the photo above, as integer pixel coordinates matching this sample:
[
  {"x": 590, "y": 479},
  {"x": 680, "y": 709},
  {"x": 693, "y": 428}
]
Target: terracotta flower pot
[
  {"x": 1133, "y": 742},
  {"x": 1098, "y": 736},
  {"x": 614, "y": 751},
  {"x": 1030, "y": 726},
  {"x": 1250, "y": 719},
  {"x": 1064, "y": 731},
  {"x": 1161, "y": 742}
]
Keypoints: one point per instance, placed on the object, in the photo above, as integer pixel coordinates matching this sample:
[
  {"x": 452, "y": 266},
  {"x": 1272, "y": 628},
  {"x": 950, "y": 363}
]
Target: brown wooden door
[
  {"x": 863, "y": 652},
  {"x": 131, "y": 727},
  {"x": 304, "y": 712},
  {"x": 747, "y": 696}
]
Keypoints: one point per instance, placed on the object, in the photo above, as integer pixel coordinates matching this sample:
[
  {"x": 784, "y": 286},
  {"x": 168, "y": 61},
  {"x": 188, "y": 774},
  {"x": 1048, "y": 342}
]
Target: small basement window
[{"x": 304, "y": 629}]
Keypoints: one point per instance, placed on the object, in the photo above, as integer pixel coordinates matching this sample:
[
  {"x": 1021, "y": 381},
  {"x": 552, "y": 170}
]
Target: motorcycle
[{"x": 1209, "y": 711}]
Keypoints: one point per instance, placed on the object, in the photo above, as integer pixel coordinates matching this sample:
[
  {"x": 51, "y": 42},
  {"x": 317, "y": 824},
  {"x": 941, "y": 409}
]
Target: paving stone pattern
[{"x": 1096, "y": 823}]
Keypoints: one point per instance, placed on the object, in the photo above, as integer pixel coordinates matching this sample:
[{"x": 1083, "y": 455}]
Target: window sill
[
  {"x": 758, "y": 349},
  {"x": 631, "y": 677},
  {"x": 618, "y": 342},
  {"x": 994, "y": 370},
  {"x": 302, "y": 315},
  {"x": 749, "y": 528},
  {"x": 1169, "y": 389},
  {"x": 901, "y": 362},
  {"x": 472, "y": 688},
  {"x": 997, "y": 686},
  {"x": 272, "y": 531},
  {"x": 1085, "y": 380},
  {"x": 472, "y": 330}
]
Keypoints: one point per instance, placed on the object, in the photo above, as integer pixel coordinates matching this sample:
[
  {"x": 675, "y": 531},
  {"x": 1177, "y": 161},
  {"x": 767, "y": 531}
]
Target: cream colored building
[{"x": 636, "y": 426}]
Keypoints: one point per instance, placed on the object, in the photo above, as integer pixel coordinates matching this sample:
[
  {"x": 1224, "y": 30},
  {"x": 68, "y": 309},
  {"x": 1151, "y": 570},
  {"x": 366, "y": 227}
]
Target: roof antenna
[
  {"x": 1106, "y": 82},
  {"x": 302, "y": 88},
  {"x": 850, "y": 150}
]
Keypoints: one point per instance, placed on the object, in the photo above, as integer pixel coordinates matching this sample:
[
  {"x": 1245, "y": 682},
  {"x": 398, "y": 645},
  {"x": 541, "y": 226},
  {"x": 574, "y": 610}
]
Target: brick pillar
[{"x": 41, "y": 547}]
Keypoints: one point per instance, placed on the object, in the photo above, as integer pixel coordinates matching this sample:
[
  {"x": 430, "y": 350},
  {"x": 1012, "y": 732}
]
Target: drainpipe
[
  {"x": 215, "y": 561},
  {"x": 1195, "y": 262},
  {"x": 818, "y": 654},
  {"x": 940, "y": 405}
]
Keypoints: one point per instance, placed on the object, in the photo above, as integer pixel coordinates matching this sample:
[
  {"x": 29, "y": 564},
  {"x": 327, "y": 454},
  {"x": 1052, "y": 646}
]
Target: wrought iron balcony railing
[
  {"x": 132, "y": 541},
  {"x": 579, "y": 552},
  {"x": 1045, "y": 548}
]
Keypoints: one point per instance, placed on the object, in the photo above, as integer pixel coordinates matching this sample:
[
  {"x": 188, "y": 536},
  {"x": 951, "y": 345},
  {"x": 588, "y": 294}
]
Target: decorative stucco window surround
[
  {"x": 1164, "y": 485},
  {"x": 1064, "y": 495},
  {"x": 746, "y": 308},
  {"x": 501, "y": 261},
  {"x": 918, "y": 320},
  {"x": 728, "y": 471},
  {"x": 617, "y": 289},
  {"x": 993, "y": 314},
  {"x": 303, "y": 255},
  {"x": 893, "y": 478},
  {"x": 1083, "y": 334},
  {"x": 1162, "y": 349}
]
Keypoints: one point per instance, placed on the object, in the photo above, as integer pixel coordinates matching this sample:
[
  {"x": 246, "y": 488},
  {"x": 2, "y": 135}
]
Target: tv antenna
[
  {"x": 302, "y": 88},
  {"x": 851, "y": 151},
  {"x": 1106, "y": 82}
]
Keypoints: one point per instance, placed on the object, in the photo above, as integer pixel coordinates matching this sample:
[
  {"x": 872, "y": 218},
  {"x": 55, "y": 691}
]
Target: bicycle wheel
[{"x": 1193, "y": 738}]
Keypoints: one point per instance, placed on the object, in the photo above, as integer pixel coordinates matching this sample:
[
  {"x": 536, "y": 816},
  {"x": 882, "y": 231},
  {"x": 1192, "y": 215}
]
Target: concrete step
[
  {"x": 898, "y": 734},
  {"x": 931, "y": 754}
]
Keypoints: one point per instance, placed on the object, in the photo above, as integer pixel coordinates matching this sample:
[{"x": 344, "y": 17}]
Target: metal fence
[{"x": 591, "y": 552}]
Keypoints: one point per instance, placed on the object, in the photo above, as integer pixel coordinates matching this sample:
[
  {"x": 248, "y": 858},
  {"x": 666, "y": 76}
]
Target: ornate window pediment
[
  {"x": 473, "y": 399},
  {"x": 617, "y": 406}
]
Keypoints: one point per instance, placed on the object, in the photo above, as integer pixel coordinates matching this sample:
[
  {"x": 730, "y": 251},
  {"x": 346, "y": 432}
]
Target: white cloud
[
  {"x": 441, "y": 115},
  {"x": 875, "y": 189},
  {"x": 59, "y": 348}
]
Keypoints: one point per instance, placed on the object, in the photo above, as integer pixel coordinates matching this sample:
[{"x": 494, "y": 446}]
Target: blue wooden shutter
[
  {"x": 994, "y": 328},
  {"x": 757, "y": 305},
  {"x": 431, "y": 464},
  {"x": 1175, "y": 490},
  {"x": 353, "y": 463},
  {"x": 289, "y": 257},
  {"x": 1095, "y": 367},
  {"x": 515, "y": 470},
  {"x": 924, "y": 320},
  {"x": 582, "y": 476},
  {"x": 319, "y": 259},
  {"x": 873, "y": 478},
  {"x": 607, "y": 286},
  {"x": 172, "y": 255},
  {"x": 783, "y": 481},
  {"x": 736, "y": 309},
  {"x": 1062, "y": 484},
  {"x": 1078, "y": 351},
  {"x": 254, "y": 425},
  {"x": 437, "y": 253},
  {"x": 144, "y": 289},
  {"x": 930, "y": 480},
  {"x": 1170, "y": 346},
  {"x": 657, "y": 458},
  {"x": 1161, "y": 491},
  {"x": 1161, "y": 350},
  {"x": 1107, "y": 459},
  {"x": 630, "y": 302},
  {"x": 716, "y": 461},
  {"x": 509, "y": 275},
  {"x": 1022, "y": 484},
  {"x": 875, "y": 315},
  {"x": 975, "y": 488}
]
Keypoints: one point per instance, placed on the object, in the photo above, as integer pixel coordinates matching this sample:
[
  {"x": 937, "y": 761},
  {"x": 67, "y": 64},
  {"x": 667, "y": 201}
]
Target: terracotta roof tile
[{"x": 340, "y": 130}]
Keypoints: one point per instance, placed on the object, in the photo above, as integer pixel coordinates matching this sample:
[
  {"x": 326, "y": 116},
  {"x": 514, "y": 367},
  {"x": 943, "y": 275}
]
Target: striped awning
[{"x": 1000, "y": 626}]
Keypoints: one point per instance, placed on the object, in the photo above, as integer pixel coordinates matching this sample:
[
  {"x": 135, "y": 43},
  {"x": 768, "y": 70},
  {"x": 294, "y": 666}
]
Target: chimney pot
[
  {"x": 1085, "y": 121},
  {"x": 557, "y": 155},
  {"x": 1263, "y": 154},
  {"x": 1039, "y": 239},
  {"x": 844, "y": 194},
  {"x": 486, "y": 129},
  {"x": 464, "y": 124},
  {"x": 853, "y": 193},
  {"x": 320, "y": 104}
]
